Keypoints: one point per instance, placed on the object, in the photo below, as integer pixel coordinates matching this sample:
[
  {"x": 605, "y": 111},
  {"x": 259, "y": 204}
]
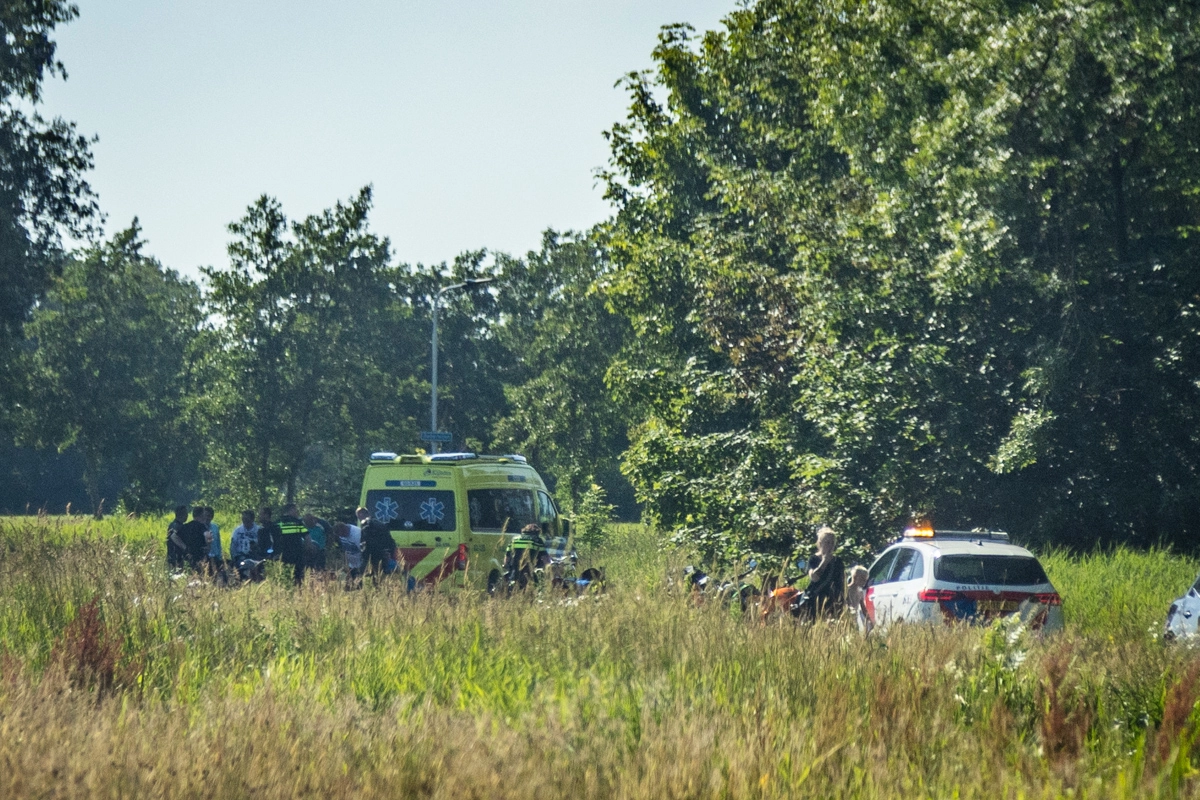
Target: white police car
[
  {"x": 960, "y": 576},
  {"x": 1183, "y": 615}
]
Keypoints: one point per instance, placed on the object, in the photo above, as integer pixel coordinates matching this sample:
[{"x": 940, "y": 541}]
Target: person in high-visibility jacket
[
  {"x": 292, "y": 539},
  {"x": 526, "y": 553}
]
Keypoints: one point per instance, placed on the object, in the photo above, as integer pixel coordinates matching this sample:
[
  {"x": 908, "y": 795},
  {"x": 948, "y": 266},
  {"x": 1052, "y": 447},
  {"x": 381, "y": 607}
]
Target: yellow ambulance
[{"x": 452, "y": 515}]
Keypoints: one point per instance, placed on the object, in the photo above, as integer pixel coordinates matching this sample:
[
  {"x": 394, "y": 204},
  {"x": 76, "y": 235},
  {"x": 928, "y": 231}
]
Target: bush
[{"x": 592, "y": 516}]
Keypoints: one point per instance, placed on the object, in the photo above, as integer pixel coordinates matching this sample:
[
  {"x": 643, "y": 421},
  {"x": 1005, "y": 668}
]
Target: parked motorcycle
[
  {"x": 732, "y": 590},
  {"x": 553, "y": 566}
]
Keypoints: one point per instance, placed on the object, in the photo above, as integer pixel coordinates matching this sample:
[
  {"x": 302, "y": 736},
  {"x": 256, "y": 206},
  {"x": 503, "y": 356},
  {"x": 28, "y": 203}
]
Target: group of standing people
[
  {"x": 828, "y": 594},
  {"x": 300, "y": 541}
]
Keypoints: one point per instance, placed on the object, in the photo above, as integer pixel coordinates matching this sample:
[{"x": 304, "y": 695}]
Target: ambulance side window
[
  {"x": 500, "y": 510},
  {"x": 547, "y": 514}
]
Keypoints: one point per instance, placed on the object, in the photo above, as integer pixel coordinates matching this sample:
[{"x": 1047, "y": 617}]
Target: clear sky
[{"x": 478, "y": 123}]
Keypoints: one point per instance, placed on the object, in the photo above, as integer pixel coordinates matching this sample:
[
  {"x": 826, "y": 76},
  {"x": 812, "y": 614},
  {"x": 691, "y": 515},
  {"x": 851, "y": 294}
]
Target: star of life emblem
[
  {"x": 386, "y": 510},
  {"x": 433, "y": 511}
]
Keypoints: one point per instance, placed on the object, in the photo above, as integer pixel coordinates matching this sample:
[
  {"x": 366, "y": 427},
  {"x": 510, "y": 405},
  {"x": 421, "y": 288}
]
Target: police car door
[
  {"x": 876, "y": 584},
  {"x": 906, "y": 580},
  {"x": 890, "y": 597}
]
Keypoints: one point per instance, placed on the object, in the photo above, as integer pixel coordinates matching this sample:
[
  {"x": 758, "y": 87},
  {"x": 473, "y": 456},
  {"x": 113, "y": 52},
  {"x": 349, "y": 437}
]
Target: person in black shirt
[
  {"x": 378, "y": 545},
  {"x": 176, "y": 549},
  {"x": 826, "y": 592},
  {"x": 195, "y": 536},
  {"x": 292, "y": 537},
  {"x": 268, "y": 535}
]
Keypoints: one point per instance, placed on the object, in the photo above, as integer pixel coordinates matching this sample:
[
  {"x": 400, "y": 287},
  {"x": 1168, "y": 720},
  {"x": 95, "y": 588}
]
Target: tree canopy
[
  {"x": 898, "y": 259},
  {"x": 43, "y": 192},
  {"x": 869, "y": 262},
  {"x": 107, "y": 370}
]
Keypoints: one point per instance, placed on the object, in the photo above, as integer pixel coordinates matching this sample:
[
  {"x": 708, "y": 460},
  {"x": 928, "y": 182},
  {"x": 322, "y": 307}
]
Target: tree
[
  {"x": 314, "y": 351},
  {"x": 42, "y": 190},
  {"x": 105, "y": 370},
  {"x": 903, "y": 259},
  {"x": 563, "y": 338}
]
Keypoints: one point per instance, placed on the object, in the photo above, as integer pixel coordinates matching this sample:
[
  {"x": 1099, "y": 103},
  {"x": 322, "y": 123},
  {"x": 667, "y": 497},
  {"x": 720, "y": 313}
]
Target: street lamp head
[{"x": 469, "y": 283}]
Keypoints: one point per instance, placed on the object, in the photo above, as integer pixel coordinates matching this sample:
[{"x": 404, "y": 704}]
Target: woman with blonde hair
[{"x": 826, "y": 592}]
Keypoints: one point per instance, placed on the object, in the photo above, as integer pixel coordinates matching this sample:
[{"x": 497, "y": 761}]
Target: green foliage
[
  {"x": 593, "y": 515},
  {"x": 105, "y": 371},
  {"x": 561, "y": 338},
  {"x": 474, "y": 364},
  {"x": 869, "y": 262},
  {"x": 896, "y": 260},
  {"x": 42, "y": 190},
  {"x": 314, "y": 356}
]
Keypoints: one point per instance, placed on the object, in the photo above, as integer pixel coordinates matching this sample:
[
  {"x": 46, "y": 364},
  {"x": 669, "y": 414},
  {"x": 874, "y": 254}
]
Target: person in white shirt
[
  {"x": 350, "y": 540},
  {"x": 244, "y": 542}
]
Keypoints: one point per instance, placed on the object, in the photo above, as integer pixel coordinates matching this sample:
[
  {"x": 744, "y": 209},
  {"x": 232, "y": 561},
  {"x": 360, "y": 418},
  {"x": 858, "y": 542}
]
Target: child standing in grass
[
  {"x": 856, "y": 596},
  {"x": 214, "y": 549}
]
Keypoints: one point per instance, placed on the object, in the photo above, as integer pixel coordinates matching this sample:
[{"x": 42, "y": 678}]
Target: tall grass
[
  {"x": 179, "y": 688},
  {"x": 1120, "y": 594}
]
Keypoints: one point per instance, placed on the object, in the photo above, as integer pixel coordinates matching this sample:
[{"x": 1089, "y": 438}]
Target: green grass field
[{"x": 118, "y": 681}]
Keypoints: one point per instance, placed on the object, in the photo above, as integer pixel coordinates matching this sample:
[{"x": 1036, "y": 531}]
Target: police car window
[
  {"x": 990, "y": 570},
  {"x": 909, "y": 565},
  {"x": 500, "y": 510},
  {"x": 412, "y": 509},
  {"x": 881, "y": 568}
]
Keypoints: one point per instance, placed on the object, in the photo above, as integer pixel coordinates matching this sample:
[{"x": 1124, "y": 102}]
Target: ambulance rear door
[{"x": 421, "y": 511}]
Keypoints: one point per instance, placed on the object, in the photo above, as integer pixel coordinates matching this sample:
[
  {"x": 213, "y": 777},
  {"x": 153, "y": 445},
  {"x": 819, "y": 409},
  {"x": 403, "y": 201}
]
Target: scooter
[
  {"x": 783, "y": 598},
  {"x": 250, "y": 569}
]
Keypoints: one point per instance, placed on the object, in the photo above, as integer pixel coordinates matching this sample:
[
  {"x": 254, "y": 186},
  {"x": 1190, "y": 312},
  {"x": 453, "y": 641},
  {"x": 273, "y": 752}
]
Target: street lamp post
[{"x": 469, "y": 283}]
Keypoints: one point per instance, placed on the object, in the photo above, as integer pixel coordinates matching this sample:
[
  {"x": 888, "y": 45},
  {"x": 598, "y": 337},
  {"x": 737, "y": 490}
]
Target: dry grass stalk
[
  {"x": 1065, "y": 717},
  {"x": 1177, "y": 711}
]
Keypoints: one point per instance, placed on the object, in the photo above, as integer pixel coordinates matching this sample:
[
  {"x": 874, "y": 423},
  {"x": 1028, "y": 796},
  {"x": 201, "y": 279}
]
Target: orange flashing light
[{"x": 919, "y": 533}]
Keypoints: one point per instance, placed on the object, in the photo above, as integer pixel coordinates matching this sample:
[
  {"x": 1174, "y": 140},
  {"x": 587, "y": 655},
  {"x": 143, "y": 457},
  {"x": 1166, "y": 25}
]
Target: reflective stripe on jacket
[
  {"x": 528, "y": 543},
  {"x": 289, "y": 527}
]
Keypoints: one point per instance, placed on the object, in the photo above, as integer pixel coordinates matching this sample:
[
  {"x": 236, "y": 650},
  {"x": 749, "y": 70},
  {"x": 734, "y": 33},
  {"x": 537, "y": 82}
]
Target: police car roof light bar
[{"x": 930, "y": 533}]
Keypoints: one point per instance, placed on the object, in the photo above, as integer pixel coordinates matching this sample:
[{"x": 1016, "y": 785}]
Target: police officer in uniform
[
  {"x": 526, "y": 553},
  {"x": 292, "y": 536}
]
